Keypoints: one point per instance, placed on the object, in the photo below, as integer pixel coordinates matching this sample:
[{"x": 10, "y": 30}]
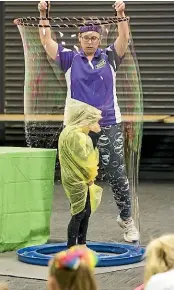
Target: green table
[{"x": 26, "y": 193}]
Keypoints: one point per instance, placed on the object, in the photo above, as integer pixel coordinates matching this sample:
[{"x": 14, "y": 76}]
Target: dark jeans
[
  {"x": 110, "y": 143},
  {"x": 78, "y": 226}
]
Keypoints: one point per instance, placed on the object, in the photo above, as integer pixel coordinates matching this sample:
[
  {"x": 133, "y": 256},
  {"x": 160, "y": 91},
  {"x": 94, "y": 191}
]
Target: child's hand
[{"x": 90, "y": 183}]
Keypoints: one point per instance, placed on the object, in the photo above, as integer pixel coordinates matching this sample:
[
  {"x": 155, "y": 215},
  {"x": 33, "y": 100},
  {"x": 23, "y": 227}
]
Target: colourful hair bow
[{"x": 72, "y": 258}]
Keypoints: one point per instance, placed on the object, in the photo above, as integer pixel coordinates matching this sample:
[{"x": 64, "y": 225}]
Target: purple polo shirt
[{"x": 92, "y": 82}]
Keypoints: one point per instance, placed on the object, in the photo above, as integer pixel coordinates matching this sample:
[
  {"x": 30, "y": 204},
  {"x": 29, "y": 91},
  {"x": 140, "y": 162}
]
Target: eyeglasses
[{"x": 93, "y": 39}]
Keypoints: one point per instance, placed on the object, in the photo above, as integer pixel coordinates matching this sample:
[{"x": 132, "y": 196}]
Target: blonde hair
[
  {"x": 80, "y": 279},
  {"x": 3, "y": 286},
  {"x": 159, "y": 256}
]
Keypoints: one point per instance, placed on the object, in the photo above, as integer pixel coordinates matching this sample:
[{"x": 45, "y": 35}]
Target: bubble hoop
[
  {"x": 25, "y": 21},
  {"x": 109, "y": 254}
]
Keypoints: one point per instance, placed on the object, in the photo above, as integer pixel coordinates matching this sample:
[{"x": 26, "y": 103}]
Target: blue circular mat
[{"x": 111, "y": 254}]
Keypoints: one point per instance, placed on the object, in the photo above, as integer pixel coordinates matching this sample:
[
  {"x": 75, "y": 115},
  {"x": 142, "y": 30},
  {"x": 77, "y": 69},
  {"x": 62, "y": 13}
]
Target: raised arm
[
  {"x": 122, "y": 40},
  {"x": 50, "y": 46}
]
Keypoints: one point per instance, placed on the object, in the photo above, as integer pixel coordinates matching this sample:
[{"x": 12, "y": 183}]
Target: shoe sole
[
  {"x": 131, "y": 241},
  {"x": 126, "y": 240}
]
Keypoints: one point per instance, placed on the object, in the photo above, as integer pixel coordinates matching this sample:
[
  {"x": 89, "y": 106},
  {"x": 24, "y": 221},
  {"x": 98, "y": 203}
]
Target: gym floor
[{"x": 156, "y": 218}]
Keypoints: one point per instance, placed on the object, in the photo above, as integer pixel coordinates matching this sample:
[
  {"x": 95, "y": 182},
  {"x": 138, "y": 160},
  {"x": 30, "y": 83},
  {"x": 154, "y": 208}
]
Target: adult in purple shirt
[{"x": 90, "y": 75}]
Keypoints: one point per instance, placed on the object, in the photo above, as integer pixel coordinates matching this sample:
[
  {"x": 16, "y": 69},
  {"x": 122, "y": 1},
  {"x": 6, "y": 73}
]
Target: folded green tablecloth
[{"x": 26, "y": 193}]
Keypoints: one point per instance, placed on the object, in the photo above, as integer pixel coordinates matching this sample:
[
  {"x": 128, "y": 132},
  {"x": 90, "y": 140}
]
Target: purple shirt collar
[{"x": 97, "y": 53}]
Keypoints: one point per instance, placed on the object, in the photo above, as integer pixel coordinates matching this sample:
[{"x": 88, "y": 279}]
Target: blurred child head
[
  {"x": 159, "y": 256},
  {"x": 73, "y": 270},
  {"x": 3, "y": 286}
]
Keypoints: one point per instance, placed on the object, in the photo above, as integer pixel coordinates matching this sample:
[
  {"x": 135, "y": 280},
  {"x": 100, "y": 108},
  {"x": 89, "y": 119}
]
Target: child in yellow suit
[{"x": 79, "y": 167}]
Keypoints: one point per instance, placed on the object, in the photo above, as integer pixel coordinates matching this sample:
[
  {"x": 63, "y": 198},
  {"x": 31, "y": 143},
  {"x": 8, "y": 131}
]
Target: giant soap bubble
[{"x": 45, "y": 90}]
